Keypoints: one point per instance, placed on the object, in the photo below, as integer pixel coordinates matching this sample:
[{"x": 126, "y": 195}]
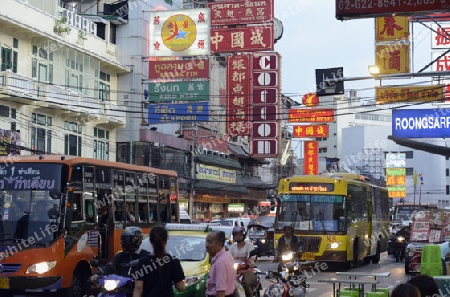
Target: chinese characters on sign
[
  {"x": 409, "y": 94},
  {"x": 238, "y": 99},
  {"x": 242, "y": 39},
  {"x": 195, "y": 68},
  {"x": 317, "y": 115},
  {"x": 310, "y": 131},
  {"x": 241, "y": 12},
  {"x": 179, "y": 32},
  {"x": 391, "y": 28},
  {"x": 311, "y": 158},
  {"x": 440, "y": 35},
  {"x": 392, "y": 58}
]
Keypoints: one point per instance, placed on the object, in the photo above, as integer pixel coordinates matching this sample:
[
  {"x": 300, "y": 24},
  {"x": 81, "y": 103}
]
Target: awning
[
  {"x": 421, "y": 146},
  {"x": 257, "y": 183},
  {"x": 212, "y": 186},
  {"x": 218, "y": 161},
  {"x": 238, "y": 150}
]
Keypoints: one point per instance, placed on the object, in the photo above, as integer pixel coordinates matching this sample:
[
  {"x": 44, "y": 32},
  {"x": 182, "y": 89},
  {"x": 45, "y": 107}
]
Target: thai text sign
[
  {"x": 391, "y": 28},
  {"x": 10, "y": 140},
  {"x": 397, "y": 191},
  {"x": 242, "y": 39},
  {"x": 165, "y": 112},
  {"x": 238, "y": 100},
  {"x": 421, "y": 123},
  {"x": 348, "y": 9},
  {"x": 310, "y": 131},
  {"x": 195, "y": 68},
  {"x": 179, "y": 91},
  {"x": 409, "y": 94},
  {"x": 215, "y": 174},
  {"x": 316, "y": 115},
  {"x": 311, "y": 158},
  {"x": 179, "y": 32},
  {"x": 241, "y": 12},
  {"x": 392, "y": 58},
  {"x": 395, "y": 176}
]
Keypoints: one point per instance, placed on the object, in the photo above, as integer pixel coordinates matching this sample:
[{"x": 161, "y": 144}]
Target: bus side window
[
  {"x": 77, "y": 208},
  {"x": 89, "y": 211},
  {"x": 144, "y": 214}
]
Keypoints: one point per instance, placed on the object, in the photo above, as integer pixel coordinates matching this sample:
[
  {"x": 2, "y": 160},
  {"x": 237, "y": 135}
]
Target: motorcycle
[
  {"x": 399, "y": 248},
  {"x": 243, "y": 266},
  {"x": 288, "y": 282},
  {"x": 113, "y": 285}
]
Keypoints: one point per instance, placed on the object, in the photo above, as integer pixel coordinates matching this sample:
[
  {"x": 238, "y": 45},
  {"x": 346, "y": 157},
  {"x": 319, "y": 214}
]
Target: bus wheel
[{"x": 377, "y": 257}]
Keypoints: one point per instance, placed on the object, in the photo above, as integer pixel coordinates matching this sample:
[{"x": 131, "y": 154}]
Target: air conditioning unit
[
  {"x": 215, "y": 153},
  {"x": 209, "y": 152},
  {"x": 222, "y": 155},
  {"x": 205, "y": 151}
]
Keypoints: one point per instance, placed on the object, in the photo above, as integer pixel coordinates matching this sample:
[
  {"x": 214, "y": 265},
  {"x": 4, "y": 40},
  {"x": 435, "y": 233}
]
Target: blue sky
[{"x": 313, "y": 38}]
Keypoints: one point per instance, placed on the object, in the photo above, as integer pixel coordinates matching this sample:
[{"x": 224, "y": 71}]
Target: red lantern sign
[{"x": 310, "y": 100}]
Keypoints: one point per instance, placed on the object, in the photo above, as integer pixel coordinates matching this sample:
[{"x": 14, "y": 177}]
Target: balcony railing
[{"x": 28, "y": 91}]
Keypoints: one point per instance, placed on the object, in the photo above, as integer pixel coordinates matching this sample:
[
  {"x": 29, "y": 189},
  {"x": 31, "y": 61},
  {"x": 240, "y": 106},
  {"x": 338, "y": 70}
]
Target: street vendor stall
[{"x": 428, "y": 227}]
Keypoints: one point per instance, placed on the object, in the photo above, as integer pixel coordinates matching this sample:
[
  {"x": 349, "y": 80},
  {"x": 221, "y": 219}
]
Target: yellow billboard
[
  {"x": 391, "y": 28},
  {"x": 386, "y": 95}
]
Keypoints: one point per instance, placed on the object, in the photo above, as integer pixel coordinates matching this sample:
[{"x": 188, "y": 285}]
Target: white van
[
  {"x": 184, "y": 217},
  {"x": 233, "y": 222}
]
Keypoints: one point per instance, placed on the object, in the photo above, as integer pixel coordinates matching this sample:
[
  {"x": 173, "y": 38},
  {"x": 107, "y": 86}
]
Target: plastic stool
[
  {"x": 348, "y": 293},
  {"x": 375, "y": 294},
  {"x": 384, "y": 290}
]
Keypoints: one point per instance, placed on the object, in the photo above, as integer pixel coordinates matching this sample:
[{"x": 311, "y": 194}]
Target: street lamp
[{"x": 374, "y": 70}]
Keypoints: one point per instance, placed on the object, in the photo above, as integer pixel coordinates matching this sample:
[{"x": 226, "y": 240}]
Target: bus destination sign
[
  {"x": 352, "y": 9},
  {"x": 311, "y": 187}
]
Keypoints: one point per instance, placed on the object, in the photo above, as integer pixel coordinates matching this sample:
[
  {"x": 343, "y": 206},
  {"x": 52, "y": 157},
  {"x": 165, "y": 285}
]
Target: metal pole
[
  {"x": 414, "y": 194},
  {"x": 420, "y": 193}
]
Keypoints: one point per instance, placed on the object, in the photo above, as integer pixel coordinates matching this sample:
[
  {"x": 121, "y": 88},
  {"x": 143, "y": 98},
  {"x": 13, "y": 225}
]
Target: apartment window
[
  {"x": 41, "y": 136},
  {"x": 447, "y": 172},
  {"x": 409, "y": 171},
  {"x": 102, "y": 86},
  {"x": 101, "y": 144},
  {"x": 323, "y": 149},
  {"x": 4, "y": 111},
  {"x": 41, "y": 63},
  {"x": 9, "y": 58},
  {"x": 72, "y": 138},
  {"x": 447, "y": 190}
]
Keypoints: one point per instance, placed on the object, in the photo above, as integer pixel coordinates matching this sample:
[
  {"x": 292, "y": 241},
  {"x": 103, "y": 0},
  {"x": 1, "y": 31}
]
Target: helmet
[
  {"x": 131, "y": 239},
  {"x": 239, "y": 229},
  {"x": 288, "y": 225}
]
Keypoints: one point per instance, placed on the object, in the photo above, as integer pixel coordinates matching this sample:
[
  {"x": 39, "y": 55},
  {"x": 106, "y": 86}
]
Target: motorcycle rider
[
  {"x": 287, "y": 242},
  {"x": 131, "y": 239},
  {"x": 240, "y": 250}
]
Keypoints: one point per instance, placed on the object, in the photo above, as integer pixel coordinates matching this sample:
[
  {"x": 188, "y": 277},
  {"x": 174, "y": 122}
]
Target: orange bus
[{"x": 60, "y": 212}]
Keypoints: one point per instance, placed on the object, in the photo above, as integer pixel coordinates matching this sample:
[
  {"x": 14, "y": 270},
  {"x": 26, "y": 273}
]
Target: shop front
[{"x": 208, "y": 207}]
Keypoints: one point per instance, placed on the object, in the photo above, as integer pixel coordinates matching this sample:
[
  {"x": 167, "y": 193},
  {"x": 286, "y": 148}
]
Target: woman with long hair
[{"x": 159, "y": 271}]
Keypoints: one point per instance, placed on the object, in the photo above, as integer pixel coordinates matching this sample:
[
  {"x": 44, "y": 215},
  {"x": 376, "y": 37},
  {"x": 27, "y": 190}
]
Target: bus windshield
[
  {"x": 30, "y": 203},
  {"x": 312, "y": 212}
]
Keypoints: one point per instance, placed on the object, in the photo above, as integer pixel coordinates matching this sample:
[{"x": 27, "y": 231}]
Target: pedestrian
[
  {"x": 159, "y": 271},
  {"x": 405, "y": 290},
  {"x": 222, "y": 275},
  {"x": 426, "y": 284}
]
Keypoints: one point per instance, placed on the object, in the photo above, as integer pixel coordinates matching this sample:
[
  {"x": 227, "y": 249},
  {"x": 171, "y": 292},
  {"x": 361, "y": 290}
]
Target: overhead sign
[
  {"x": 392, "y": 58},
  {"x": 265, "y": 62},
  {"x": 310, "y": 100},
  {"x": 440, "y": 35},
  {"x": 265, "y": 79},
  {"x": 311, "y": 158},
  {"x": 179, "y": 91},
  {"x": 242, "y": 39},
  {"x": 265, "y": 129},
  {"x": 241, "y": 12},
  {"x": 316, "y": 115},
  {"x": 328, "y": 81},
  {"x": 352, "y": 9},
  {"x": 168, "y": 112},
  {"x": 179, "y": 32},
  {"x": 310, "y": 131},
  {"x": 442, "y": 61},
  {"x": 265, "y": 112},
  {"x": 386, "y": 95},
  {"x": 395, "y": 160},
  {"x": 172, "y": 69},
  {"x": 265, "y": 96},
  {"x": 420, "y": 123},
  {"x": 391, "y": 28}
]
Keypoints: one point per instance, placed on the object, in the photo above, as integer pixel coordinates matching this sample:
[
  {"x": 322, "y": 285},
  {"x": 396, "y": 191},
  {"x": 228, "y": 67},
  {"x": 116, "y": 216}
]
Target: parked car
[
  {"x": 232, "y": 222},
  {"x": 184, "y": 217}
]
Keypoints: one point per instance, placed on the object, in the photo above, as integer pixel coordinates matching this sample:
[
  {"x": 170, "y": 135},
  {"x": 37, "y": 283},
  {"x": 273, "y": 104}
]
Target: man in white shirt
[{"x": 240, "y": 250}]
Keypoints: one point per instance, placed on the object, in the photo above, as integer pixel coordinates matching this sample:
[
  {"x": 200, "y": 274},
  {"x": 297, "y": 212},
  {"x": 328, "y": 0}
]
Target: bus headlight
[
  {"x": 41, "y": 267},
  {"x": 334, "y": 245}
]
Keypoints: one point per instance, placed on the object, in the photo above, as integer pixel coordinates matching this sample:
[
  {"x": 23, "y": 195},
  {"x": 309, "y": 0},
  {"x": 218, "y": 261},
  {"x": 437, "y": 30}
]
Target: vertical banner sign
[
  {"x": 265, "y": 104},
  {"x": 238, "y": 94},
  {"x": 392, "y": 58},
  {"x": 311, "y": 158}
]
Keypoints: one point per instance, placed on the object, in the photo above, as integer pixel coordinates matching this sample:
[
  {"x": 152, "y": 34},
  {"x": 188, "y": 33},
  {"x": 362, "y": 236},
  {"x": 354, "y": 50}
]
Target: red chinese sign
[
  {"x": 393, "y": 58},
  {"x": 310, "y": 100},
  {"x": 442, "y": 61},
  {"x": 317, "y": 115},
  {"x": 311, "y": 158},
  {"x": 242, "y": 39},
  {"x": 194, "y": 68},
  {"x": 390, "y": 28},
  {"x": 241, "y": 12},
  {"x": 238, "y": 99},
  {"x": 349, "y": 9},
  {"x": 310, "y": 131}
]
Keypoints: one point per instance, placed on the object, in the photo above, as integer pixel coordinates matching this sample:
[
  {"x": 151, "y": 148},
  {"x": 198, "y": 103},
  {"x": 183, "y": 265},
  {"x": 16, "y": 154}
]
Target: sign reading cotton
[{"x": 421, "y": 123}]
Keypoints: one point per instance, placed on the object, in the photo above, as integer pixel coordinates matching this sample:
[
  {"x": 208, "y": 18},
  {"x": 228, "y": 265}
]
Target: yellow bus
[
  {"x": 57, "y": 213},
  {"x": 338, "y": 217}
]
